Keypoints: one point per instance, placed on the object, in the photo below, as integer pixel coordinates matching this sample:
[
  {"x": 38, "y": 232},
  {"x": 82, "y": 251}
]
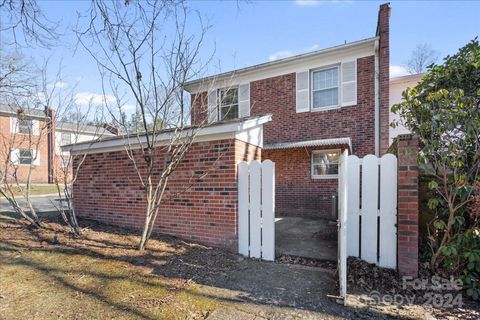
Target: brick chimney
[
  {"x": 383, "y": 32},
  {"x": 110, "y": 128}
]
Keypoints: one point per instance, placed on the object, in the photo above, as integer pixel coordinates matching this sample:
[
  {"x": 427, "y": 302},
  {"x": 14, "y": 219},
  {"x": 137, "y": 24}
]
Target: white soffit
[{"x": 310, "y": 143}]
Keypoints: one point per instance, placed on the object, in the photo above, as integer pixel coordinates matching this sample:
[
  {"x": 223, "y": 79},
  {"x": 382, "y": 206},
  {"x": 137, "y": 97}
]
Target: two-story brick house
[
  {"x": 30, "y": 142},
  {"x": 321, "y": 103}
]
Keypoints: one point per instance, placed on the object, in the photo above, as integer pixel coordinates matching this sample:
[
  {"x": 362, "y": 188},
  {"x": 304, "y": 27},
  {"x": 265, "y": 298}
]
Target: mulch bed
[{"x": 364, "y": 277}]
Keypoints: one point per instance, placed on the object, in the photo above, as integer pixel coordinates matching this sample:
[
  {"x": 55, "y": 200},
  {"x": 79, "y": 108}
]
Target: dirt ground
[{"x": 47, "y": 274}]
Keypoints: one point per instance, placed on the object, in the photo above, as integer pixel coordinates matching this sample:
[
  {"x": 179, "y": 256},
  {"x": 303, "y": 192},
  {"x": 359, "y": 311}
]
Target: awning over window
[{"x": 310, "y": 143}]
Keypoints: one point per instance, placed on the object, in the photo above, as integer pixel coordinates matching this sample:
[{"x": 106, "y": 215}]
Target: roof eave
[{"x": 188, "y": 86}]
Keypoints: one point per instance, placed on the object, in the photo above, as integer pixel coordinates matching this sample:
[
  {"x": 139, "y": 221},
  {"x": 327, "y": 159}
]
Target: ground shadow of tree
[{"x": 224, "y": 277}]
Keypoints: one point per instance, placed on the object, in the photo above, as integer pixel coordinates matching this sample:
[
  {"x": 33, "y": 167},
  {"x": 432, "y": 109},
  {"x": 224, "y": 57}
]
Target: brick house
[
  {"x": 21, "y": 131},
  {"x": 321, "y": 103}
]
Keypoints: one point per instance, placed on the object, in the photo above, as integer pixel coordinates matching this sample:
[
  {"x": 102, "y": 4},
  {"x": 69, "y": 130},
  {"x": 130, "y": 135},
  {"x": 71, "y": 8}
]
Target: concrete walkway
[
  {"x": 44, "y": 203},
  {"x": 306, "y": 237}
]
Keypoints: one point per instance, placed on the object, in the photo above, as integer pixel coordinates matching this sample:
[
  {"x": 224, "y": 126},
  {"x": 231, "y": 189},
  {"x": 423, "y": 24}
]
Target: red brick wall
[
  {"x": 296, "y": 193},
  {"x": 200, "y": 203},
  {"x": 407, "y": 205},
  {"x": 19, "y": 141},
  {"x": 277, "y": 96}
]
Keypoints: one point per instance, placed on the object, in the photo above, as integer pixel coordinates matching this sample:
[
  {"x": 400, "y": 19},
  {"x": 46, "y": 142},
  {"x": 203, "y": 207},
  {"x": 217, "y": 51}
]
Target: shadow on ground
[{"x": 172, "y": 279}]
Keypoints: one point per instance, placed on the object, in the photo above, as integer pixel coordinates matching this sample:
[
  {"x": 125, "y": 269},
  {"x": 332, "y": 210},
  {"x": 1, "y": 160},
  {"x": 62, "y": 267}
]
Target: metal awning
[{"x": 310, "y": 143}]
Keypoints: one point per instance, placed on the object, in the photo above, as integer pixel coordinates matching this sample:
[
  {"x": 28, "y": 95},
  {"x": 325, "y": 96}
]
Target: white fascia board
[
  {"x": 28, "y": 116},
  {"x": 231, "y": 130},
  {"x": 253, "y": 136},
  {"x": 303, "y": 62}
]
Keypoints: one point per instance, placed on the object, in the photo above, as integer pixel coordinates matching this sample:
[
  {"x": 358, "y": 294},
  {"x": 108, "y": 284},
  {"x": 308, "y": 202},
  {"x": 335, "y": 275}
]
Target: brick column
[{"x": 407, "y": 205}]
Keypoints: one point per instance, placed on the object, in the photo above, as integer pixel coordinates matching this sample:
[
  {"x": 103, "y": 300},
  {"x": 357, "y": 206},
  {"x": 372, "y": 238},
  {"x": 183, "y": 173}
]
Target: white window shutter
[
  {"x": 36, "y": 157},
  {"x": 15, "y": 156},
  {"x": 349, "y": 83},
  {"x": 303, "y": 92},
  {"x": 13, "y": 125},
  {"x": 35, "y": 127},
  {"x": 244, "y": 100},
  {"x": 212, "y": 106}
]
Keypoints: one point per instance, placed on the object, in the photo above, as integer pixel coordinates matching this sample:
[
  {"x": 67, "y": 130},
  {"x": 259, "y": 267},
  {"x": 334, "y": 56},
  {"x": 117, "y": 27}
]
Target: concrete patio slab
[{"x": 306, "y": 237}]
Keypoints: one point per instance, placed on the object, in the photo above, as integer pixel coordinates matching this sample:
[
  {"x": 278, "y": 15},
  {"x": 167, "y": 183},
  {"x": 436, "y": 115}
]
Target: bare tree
[
  {"x": 80, "y": 129},
  {"x": 29, "y": 129},
  {"x": 422, "y": 56},
  {"x": 25, "y": 22},
  {"x": 144, "y": 51}
]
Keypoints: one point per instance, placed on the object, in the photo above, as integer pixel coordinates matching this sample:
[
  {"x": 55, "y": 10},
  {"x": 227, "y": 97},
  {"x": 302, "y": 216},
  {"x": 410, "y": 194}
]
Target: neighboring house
[
  {"x": 321, "y": 103},
  {"x": 397, "y": 86},
  {"x": 22, "y": 130}
]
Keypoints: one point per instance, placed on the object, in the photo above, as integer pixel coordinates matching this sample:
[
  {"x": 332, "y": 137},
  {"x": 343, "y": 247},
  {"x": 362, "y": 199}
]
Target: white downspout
[{"x": 377, "y": 100}]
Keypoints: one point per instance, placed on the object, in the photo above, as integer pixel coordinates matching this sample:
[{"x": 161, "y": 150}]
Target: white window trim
[
  {"x": 219, "y": 102},
  {"x": 325, "y": 176},
  {"x": 339, "y": 82}
]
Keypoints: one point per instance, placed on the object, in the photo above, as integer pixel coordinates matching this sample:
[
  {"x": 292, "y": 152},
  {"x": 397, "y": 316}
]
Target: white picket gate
[
  {"x": 372, "y": 208},
  {"x": 256, "y": 209}
]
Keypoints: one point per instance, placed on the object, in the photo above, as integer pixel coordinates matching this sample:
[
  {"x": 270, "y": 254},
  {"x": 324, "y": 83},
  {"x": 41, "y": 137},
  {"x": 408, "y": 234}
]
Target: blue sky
[{"x": 243, "y": 34}]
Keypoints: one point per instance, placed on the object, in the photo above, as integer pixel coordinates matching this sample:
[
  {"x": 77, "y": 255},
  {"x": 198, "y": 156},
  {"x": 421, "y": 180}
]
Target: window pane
[
  {"x": 25, "y": 156},
  {"x": 325, "y": 98},
  {"x": 228, "y": 97},
  {"x": 229, "y": 112},
  {"x": 66, "y": 139},
  {"x": 324, "y": 79},
  {"x": 25, "y": 126},
  {"x": 325, "y": 163}
]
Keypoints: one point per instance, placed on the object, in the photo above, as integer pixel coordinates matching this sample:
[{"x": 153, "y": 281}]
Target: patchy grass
[
  {"x": 37, "y": 189},
  {"x": 48, "y": 274},
  {"x": 42, "y": 276}
]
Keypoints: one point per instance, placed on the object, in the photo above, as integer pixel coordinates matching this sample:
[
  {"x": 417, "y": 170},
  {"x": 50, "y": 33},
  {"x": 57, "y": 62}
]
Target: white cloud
[
  {"x": 280, "y": 55},
  {"x": 288, "y": 53},
  {"x": 84, "y": 98},
  {"x": 58, "y": 85},
  {"x": 128, "y": 108},
  {"x": 398, "y": 71}
]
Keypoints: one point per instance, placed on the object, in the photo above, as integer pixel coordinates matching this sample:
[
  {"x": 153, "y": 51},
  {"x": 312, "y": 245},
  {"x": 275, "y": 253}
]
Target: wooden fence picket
[
  {"x": 256, "y": 209},
  {"x": 372, "y": 209}
]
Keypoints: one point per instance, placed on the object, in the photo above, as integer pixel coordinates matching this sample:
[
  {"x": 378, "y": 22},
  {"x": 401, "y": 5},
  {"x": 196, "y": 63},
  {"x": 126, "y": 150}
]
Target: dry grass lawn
[
  {"x": 46, "y": 275},
  {"x": 38, "y": 189}
]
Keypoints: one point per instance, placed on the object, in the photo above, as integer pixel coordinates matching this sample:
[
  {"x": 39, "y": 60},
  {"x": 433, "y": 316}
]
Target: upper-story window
[
  {"x": 66, "y": 138},
  {"x": 25, "y": 126},
  {"x": 227, "y": 104},
  {"x": 325, "y": 88}
]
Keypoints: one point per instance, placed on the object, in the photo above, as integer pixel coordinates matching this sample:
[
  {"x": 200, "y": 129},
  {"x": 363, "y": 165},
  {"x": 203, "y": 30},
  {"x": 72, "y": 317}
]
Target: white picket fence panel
[
  {"x": 256, "y": 209},
  {"x": 372, "y": 209}
]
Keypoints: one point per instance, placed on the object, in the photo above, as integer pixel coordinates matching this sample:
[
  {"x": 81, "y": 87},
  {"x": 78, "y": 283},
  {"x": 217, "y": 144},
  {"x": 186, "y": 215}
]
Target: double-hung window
[
  {"x": 66, "y": 138},
  {"x": 325, "y": 88},
  {"x": 325, "y": 163},
  {"x": 25, "y": 156},
  {"x": 227, "y": 104},
  {"x": 25, "y": 126}
]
